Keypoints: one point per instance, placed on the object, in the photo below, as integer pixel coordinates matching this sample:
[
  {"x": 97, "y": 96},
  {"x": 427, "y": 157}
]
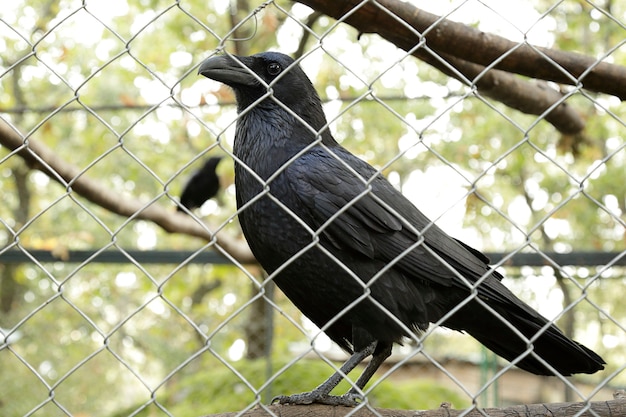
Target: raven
[
  {"x": 350, "y": 251},
  {"x": 202, "y": 185}
]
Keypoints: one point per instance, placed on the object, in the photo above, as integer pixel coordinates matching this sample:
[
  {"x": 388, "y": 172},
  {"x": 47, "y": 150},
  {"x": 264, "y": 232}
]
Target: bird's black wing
[{"x": 376, "y": 221}]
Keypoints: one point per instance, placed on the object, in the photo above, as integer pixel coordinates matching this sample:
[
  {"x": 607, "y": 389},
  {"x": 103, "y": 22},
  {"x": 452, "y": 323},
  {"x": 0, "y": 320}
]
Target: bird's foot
[{"x": 348, "y": 400}]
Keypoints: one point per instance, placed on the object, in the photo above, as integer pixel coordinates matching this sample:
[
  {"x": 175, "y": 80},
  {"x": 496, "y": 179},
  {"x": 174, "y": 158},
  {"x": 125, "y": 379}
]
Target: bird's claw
[{"x": 348, "y": 400}]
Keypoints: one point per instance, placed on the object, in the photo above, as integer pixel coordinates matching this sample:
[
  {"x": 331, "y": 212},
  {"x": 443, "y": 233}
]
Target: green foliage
[{"x": 220, "y": 390}]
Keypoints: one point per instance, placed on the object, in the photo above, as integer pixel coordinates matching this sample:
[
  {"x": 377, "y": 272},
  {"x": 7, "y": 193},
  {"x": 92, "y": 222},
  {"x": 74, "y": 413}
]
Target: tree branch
[
  {"x": 529, "y": 98},
  {"x": 469, "y": 50},
  {"x": 39, "y": 156},
  {"x": 616, "y": 407},
  {"x": 306, "y": 34},
  {"x": 478, "y": 47}
]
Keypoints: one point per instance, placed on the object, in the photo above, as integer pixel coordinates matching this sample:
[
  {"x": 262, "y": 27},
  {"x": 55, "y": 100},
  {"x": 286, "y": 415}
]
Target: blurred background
[{"x": 106, "y": 312}]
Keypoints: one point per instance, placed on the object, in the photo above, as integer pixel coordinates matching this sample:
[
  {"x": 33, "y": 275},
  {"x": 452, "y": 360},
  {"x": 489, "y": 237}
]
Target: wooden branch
[
  {"x": 466, "y": 50},
  {"x": 499, "y": 85},
  {"x": 39, "y": 156},
  {"x": 616, "y": 407},
  {"x": 529, "y": 98},
  {"x": 474, "y": 46},
  {"x": 306, "y": 34}
]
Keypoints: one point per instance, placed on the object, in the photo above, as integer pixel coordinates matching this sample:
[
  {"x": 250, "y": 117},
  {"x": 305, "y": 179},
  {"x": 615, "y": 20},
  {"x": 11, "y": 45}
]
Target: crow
[
  {"x": 350, "y": 251},
  {"x": 202, "y": 185}
]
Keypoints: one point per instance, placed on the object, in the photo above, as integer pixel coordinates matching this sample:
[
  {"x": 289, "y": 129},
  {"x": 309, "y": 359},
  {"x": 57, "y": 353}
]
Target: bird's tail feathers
[{"x": 566, "y": 356}]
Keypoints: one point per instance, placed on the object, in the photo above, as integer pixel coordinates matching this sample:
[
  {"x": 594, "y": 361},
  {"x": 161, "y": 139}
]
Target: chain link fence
[{"x": 115, "y": 304}]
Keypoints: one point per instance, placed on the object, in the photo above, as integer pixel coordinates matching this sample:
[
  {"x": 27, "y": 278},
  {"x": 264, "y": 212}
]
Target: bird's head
[{"x": 268, "y": 74}]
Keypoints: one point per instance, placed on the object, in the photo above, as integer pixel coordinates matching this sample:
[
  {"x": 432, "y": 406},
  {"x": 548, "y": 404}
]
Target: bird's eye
[{"x": 274, "y": 68}]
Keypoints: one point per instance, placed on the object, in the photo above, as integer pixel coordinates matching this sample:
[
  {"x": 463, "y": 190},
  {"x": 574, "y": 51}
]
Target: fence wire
[{"x": 102, "y": 118}]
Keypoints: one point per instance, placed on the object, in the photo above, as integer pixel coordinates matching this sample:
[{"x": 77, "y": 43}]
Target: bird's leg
[
  {"x": 321, "y": 395},
  {"x": 382, "y": 352}
]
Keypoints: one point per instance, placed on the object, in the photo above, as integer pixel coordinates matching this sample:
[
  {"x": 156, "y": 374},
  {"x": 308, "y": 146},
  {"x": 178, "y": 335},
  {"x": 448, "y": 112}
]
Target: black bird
[
  {"x": 350, "y": 251},
  {"x": 202, "y": 185}
]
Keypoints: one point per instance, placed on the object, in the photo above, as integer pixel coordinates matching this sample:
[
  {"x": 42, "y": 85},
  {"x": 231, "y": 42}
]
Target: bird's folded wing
[
  {"x": 332, "y": 198},
  {"x": 370, "y": 217}
]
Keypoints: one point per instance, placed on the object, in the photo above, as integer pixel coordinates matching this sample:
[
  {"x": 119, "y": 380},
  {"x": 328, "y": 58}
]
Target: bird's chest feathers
[
  {"x": 262, "y": 140},
  {"x": 264, "y": 143}
]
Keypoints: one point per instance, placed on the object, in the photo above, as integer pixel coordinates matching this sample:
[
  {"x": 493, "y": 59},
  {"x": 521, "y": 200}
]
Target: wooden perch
[
  {"x": 39, "y": 156},
  {"x": 613, "y": 408},
  {"x": 470, "y": 52}
]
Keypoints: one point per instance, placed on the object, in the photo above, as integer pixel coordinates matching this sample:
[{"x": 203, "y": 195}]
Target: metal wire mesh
[{"x": 106, "y": 106}]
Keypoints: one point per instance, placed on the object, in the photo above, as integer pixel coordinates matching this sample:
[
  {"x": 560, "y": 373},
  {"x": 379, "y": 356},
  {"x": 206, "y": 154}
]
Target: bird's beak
[{"x": 227, "y": 70}]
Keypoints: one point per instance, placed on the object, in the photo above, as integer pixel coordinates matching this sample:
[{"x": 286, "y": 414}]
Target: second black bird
[
  {"x": 350, "y": 251},
  {"x": 201, "y": 186}
]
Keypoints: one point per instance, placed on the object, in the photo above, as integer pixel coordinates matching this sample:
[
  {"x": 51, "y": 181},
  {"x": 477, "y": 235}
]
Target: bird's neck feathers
[{"x": 268, "y": 131}]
